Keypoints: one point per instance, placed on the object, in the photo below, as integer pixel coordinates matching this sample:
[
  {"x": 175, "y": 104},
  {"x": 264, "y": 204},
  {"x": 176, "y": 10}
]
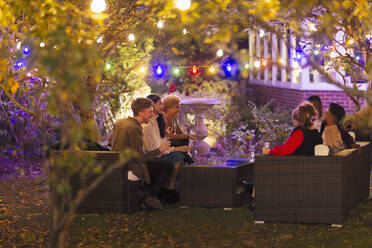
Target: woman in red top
[{"x": 304, "y": 137}]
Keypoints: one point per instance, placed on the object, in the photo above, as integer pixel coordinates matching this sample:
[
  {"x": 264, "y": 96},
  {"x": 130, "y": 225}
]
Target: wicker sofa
[
  {"x": 311, "y": 189},
  {"x": 114, "y": 194}
]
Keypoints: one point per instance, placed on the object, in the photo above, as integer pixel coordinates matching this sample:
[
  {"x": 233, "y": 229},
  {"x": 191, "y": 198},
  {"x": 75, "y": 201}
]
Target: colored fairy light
[
  {"x": 183, "y": 4},
  {"x": 257, "y": 64},
  {"x": 230, "y": 67},
  {"x": 246, "y": 66},
  {"x": 219, "y": 53},
  {"x": 26, "y": 50},
  {"x": 194, "y": 70},
  {"x": 19, "y": 44},
  {"x": 131, "y": 37},
  {"x": 184, "y": 31},
  {"x": 264, "y": 62},
  {"x": 159, "y": 71},
  {"x": 42, "y": 44},
  {"x": 357, "y": 57},
  {"x": 282, "y": 61},
  {"x": 160, "y": 24},
  {"x": 98, "y": 6},
  {"x": 212, "y": 69},
  {"x": 108, "y": 66},
  {"x": 316, "y": 52},
  {"x": 350, "y": 41},
  {"x": 176, "y": 71},
  {"x": 142, "y": 69}
]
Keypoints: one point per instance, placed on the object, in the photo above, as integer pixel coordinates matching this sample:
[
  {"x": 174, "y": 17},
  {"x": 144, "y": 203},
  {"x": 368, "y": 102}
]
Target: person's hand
[
  {"x": 164, "y": 147},
  {"x": 193, "y": 138},
  {"x": 265, "y": 150},
  {"x": 183, "y": 148}
]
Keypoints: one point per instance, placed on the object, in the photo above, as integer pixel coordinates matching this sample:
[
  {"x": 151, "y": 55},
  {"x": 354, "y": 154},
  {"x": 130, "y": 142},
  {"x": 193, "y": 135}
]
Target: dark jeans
[{"x": 159, "y": 174}]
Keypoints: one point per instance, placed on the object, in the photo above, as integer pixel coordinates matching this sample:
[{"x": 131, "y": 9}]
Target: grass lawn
[{"x": 23, "y": 223}]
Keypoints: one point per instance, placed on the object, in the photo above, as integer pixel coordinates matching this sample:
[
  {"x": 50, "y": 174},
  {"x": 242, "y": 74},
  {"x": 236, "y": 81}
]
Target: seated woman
[
  {"x": 171, "y": 108},
  {"x": 303, "y": 138},
  {"x": 152, "y": 139}
]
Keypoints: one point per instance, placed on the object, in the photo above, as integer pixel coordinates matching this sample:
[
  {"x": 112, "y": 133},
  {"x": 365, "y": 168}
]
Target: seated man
[
  {"x": 332, "y": 133},
  {"x": 127, "y": 134},
  {"x": 152, "y": 140}
]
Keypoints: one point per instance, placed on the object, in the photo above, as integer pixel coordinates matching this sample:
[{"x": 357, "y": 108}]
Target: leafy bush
[
  {"x": 23, "y": 133},
  {"x": 259, "y": 124}
]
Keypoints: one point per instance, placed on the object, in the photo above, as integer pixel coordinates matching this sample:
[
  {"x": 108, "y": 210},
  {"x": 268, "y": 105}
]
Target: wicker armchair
[
  {"x": 114, "y": 194},
  {"x": 311, "y": 189}
]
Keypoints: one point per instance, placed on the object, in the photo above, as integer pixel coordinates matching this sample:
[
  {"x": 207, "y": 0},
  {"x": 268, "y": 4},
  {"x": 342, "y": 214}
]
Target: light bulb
[
  {"x": 108, "y": 66},
  {"x": 228, "y": 67},
  {"x": 159, "y": 71},
  {"x": 184, "y": 31},
  {"x": 131, "y": 37},
  {"x": 257, "y": 64},
  {"x": 42, "y": 44},
  {"x": 99, "y": 40},
  {"x": 142, "y": 69},
  {"x": 220, "y": 53},
  {"x": 98, "y": 6},
  {"x": 312, "y": 27},
  {"x": 211, "y": 69},
  {"x": 176, "y": 71},
  {"x": 246, "y": 66},
  {"x": 262, "y": 33},
  {"x": 160, "y": 24},
  {"x": 183, "y": 4}
]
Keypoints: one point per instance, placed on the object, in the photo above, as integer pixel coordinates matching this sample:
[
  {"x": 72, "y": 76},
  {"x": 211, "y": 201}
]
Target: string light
[
  {"x": 219, "y": 53},
  {"x": 246, "y": 66},
  {"x": 108, "y": 66},
  {"x": 176, "y": 71},
  {"x": 99, "y": 40},
  {"x": 160, "y": 24},
  {"x": 183, "y": 4},
  {"x": 316, "y": 52},
  {"x": 264, "y": 62},
  {"x": 282, "y": 61},
  {"x": 42, "y": 44},
  {"x": 26, "y": 50},
  {"x": 159, "y": 71},
  {"x": 142, "y": 69},
  {"x": 184, "y": 31},
  {"x": 262, "y": 33},
  {"x": 350, "y": 42},
  {"x": 194, "y": 70},
  {"x": 212, "y": 69},
  {"x": 98, "y": 6},
  {"x": 257, "y": 64},
  {"x": 19, "y": 45},
  {"x": 131, "y": 37}
]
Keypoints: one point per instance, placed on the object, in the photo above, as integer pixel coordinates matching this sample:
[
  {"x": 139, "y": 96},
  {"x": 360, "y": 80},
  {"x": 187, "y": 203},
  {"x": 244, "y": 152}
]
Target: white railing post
[
  {"x": 251, "y": 43},
  {"x": 258, "y": 54},
  {"x": 266, "y": 53},
  {"x": 274, "y": 56},
  {"x": 292, "y": 42},
  {"x": 283, "y": 56}
]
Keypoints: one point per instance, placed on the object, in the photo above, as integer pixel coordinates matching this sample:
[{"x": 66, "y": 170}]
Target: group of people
[
  {"x": 148, "y": 134},
  {"x": 312, "y": 127},
  {"x": 158, "y": 161}
]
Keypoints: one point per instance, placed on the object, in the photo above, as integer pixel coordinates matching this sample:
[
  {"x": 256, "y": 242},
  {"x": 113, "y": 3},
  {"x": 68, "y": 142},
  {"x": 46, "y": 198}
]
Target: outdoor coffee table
[{"x": 218, "y": 183}]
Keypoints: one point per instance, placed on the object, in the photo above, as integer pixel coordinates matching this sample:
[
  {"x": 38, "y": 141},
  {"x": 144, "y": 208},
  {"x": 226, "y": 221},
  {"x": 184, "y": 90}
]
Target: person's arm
[
  {"x": 290, "y": 146},
  {"x": 136, "y": 143}
]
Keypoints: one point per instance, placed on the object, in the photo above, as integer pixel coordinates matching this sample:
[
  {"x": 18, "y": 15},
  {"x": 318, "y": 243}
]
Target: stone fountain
[{"x": 199, "y": 106}]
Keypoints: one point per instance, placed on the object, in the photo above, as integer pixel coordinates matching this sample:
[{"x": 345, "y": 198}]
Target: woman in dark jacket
[{"x": 304, "y": 137}]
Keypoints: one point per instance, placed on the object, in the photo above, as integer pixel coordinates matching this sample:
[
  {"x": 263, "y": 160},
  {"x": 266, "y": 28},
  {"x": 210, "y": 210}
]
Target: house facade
[{"x": 282, "y": 74}]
